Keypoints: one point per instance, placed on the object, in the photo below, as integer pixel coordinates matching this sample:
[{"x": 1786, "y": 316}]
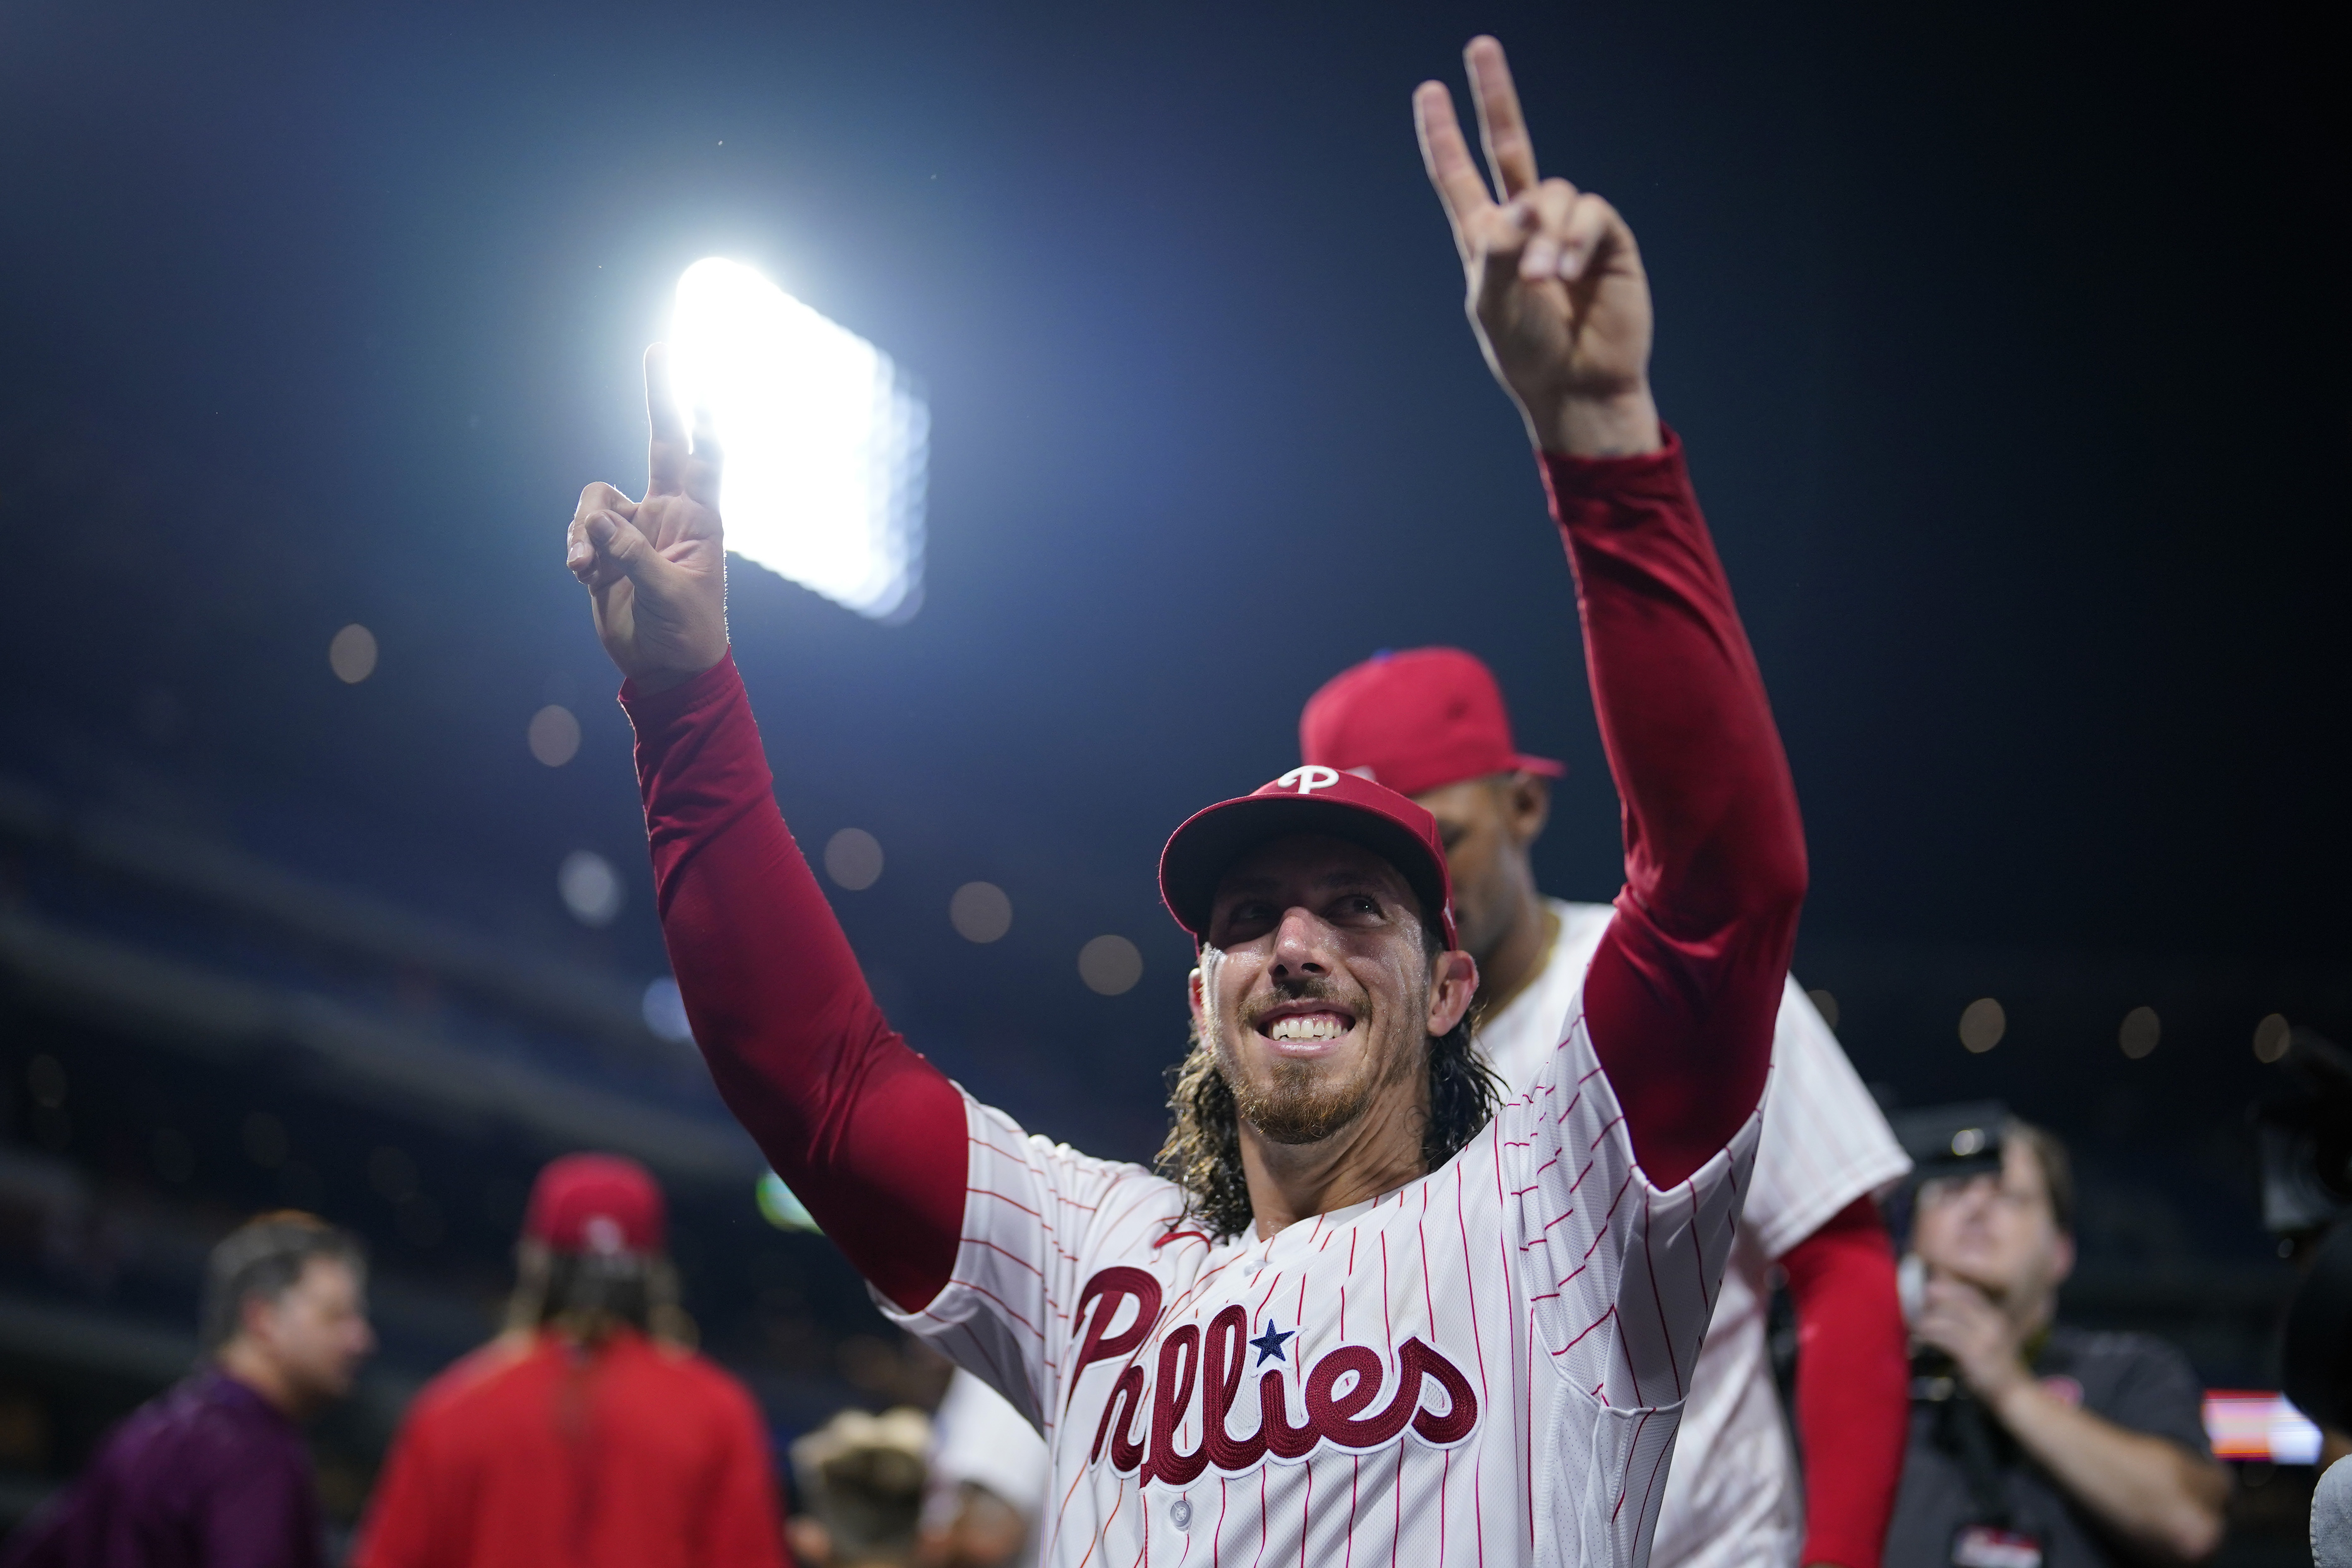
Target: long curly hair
[{"x": 1203, "y": 1152}]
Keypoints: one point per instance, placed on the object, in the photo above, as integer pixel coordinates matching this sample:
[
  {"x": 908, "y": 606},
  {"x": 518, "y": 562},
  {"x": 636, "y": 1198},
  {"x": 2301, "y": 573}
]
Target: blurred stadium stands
[{"x": 197, "y": 1031}]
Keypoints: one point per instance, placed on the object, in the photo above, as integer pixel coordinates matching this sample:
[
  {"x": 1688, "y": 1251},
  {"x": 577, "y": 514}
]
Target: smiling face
[{"x": 1318, "y": 988}]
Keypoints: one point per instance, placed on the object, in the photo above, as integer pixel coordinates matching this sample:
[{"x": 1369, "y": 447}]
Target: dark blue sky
[{"x": 2008, "y": 343}]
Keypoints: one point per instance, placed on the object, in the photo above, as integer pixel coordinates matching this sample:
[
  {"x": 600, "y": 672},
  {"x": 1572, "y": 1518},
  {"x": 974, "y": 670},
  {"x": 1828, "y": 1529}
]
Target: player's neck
[
  {"x": 1516, "y": 960},
  {"x": 1377, "y": 1153}
]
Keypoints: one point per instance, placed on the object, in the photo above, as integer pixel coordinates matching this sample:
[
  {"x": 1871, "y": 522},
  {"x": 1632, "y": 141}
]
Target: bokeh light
[
  {"x": 351, "y": 654},
  {"x": 2271, "y": 1037},
  {"x": 781, "y": 1207},
  {"x": 665, "y": 1013},
  {"x": 2140, "y": 1030},
  {"x": 1982, "y": 1024},
  {"x": 825, "y": 440},
  {"x": 554, "y": 735},
  {"x": 853, "y": 859},
  {"x": 590, "y": 886},
  {"x": 1825, "y": 1005},
  {"x": 1110, "y": 966},
  {"x": 979, "y": 911}
]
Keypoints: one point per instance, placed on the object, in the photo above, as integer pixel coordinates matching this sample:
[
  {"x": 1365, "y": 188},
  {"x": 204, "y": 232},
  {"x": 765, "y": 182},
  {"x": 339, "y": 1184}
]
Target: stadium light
[{"x": 825, "y": 439}]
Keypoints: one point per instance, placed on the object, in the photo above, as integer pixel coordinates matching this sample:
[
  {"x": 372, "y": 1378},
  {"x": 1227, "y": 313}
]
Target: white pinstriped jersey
[
  {"x": 1733, "y": 1498},
  {"x": 1486, "y": 1366}
]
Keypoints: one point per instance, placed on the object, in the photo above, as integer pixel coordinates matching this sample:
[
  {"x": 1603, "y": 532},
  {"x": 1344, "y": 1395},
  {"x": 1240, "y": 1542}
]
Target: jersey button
[{"x": 1180, "y": 1514}]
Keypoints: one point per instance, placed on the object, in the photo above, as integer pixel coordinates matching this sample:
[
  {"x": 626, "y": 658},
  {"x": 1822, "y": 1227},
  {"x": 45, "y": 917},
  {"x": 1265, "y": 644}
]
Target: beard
[
  {"x": 1307, "y": 1101},
  {"x": 1298, "y": 1106}
]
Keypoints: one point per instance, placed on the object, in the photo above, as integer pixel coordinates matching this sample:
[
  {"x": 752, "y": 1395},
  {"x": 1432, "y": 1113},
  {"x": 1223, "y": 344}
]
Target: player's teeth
[{"x": 1311, "y": 1027}]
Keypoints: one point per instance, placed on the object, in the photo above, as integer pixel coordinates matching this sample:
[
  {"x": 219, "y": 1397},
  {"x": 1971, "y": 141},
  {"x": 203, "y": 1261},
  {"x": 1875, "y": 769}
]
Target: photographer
[{"x": 2033, "y": 1445}]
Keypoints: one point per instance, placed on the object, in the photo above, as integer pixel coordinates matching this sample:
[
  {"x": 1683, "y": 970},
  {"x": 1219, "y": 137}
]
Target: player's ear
[
  {"x": 256, "y": 1318},
  {"x": 1196, "y": 995},
  {"x": 1527, "y": 805},
  {"x": 1453, "y": 985}
]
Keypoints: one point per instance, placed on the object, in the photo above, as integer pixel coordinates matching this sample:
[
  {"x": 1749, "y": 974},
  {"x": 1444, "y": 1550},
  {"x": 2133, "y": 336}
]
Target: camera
[
  {"x": 1944, "y": 1141},
  {"x": 1952, "y": 1139}
]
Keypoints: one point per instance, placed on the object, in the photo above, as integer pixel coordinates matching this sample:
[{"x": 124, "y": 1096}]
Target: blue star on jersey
[{"x": 1269, "y": 1344}]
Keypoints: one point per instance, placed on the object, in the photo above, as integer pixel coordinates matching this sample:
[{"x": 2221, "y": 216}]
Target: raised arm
[
  {"x": 1681, "y": 996},
  {"x": 869, "y": 1134}
]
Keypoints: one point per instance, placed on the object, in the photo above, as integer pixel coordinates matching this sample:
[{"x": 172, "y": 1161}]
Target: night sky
[{"x": 2008, "y": 344}]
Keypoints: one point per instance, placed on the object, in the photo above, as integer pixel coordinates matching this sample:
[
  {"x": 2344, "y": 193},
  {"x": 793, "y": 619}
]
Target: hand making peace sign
[{"x": 1556, "y": 293}]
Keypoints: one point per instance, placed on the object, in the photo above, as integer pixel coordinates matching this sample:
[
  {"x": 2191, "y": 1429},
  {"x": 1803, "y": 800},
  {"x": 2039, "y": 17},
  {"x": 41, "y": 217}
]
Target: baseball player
[
  {"x": 586, "y": 1435},
  {"x": 1430, "y": 723},
  {"x": 1367, "y": 1314}
]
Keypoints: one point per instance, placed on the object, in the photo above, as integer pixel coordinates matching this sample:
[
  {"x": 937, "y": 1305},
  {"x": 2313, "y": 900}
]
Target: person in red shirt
[{"x": 584, "y": 1435}]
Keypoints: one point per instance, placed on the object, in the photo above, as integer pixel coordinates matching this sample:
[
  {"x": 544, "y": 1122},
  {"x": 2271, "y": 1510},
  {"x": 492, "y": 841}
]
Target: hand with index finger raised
[
  {"x": 656, "y": 569},
  {"x": 1556, "y": 290}
]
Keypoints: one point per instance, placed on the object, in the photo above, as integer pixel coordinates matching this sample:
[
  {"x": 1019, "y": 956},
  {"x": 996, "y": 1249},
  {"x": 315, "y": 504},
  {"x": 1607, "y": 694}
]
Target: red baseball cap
[
  {"x": 595, "y": 1203},
  {"x": 1309, "y": 799},
  {"x": 1414, "y": 721}
]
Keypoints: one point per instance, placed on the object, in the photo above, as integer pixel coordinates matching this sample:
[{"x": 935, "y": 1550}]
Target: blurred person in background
[
  {"x": 861, "y": 1480},
  {"x": 2034, "y": 1444},
  {"x": 1430, "y": 723},
  {"x": 213, "y": 1473},
  {"x": 989, "y": 1470},
  {"x": 588, "y": 1433},
  {"x": 2318, "y": 1352}
]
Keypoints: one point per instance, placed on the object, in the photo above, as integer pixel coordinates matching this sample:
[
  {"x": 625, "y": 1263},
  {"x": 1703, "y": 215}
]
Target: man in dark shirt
[
  {"x": 2034, "y": 1446},
  {"x": 212, "y": 1472}
]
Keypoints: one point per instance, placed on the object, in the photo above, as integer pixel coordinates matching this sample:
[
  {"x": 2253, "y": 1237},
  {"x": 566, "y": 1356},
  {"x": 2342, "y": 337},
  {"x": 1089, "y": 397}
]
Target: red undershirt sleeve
[
  {"x": 1852, "y": 1407},
  {"x": 1681, "y": 997},
  {"x": 869, "y": 1134}
]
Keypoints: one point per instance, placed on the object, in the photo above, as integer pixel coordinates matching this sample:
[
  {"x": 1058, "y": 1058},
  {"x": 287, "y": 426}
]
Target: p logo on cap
[
  {"x": 600, "y": 1204},
  {"x": 1312, "y": 798}
]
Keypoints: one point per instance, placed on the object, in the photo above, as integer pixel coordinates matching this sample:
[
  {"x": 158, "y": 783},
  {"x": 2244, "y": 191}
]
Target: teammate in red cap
[
  {"x": 586, "y": 1435},
  {"x": 1366, "y": 1315},
  {"x": 1430, "y": 723}
]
